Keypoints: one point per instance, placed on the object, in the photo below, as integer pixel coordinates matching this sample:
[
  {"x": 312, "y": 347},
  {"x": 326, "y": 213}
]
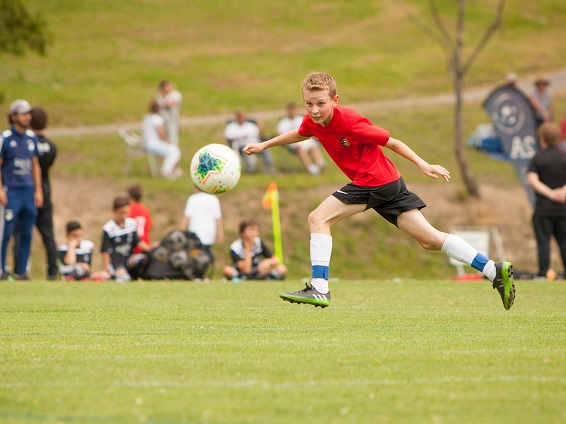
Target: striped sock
[{"x": 320, "y": 250}]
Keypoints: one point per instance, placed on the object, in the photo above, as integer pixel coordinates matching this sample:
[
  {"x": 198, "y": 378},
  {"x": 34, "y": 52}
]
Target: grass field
[{"x": 384, "y": 352}]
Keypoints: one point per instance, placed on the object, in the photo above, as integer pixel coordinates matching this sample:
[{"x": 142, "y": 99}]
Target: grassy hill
[{"x": 107, "y": 58}]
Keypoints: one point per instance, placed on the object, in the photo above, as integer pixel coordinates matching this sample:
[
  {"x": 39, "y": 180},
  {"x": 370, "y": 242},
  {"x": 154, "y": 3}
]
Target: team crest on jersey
[
  {"x": 344, "y": 142},
  {"x": 30, "y": 145},
  {"x": 13, "y": 143}
]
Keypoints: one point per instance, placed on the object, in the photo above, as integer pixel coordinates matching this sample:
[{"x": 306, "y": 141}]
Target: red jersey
[
  {"x": 354, "y": 144},
  {"x": 144, "y": 223}
]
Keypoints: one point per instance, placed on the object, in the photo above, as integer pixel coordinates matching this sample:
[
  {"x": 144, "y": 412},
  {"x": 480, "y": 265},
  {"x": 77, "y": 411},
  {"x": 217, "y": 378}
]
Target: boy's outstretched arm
[
  {"x": 433, "y": 171},
  {"x": 289, "y": 137}
]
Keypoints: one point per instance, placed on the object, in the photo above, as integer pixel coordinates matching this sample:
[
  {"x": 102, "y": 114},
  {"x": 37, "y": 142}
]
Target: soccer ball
[{"x": 215, "y": 168}]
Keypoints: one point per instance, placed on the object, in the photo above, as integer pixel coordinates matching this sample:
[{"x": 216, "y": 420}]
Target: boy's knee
[
  {"x": 229, "y": 272},
  {"x": 431, "y": 243},
  {"x": 314, "y": 218}
]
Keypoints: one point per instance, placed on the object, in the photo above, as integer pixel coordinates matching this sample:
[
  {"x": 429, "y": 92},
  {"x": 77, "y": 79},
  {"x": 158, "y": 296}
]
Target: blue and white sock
[
  {"x": 321, "y": 250},
  {"x": 460, "y": 250}
]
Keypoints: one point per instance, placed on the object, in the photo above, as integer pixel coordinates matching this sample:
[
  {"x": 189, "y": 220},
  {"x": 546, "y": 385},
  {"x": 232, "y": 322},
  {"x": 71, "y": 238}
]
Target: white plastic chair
[{"x": 135, "y": 149}]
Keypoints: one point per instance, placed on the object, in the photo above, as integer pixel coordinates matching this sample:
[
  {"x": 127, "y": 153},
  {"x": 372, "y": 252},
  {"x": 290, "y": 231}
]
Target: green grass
[
  {"x": 384, "y": 352},
  {"x": 107, "y": 57}
]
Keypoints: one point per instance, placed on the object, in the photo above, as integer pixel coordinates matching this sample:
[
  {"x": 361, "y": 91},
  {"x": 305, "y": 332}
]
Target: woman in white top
[{"x": 156, "y": 142}]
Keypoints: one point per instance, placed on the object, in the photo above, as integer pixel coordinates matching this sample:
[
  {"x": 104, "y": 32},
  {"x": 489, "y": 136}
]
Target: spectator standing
[
  {"x": 542, "y": 101},
  {"x": 140, "y": 213},
  {"x": 203, "y": 216},
  {"x": 44, "y": 219},
  {"x": 75, "y": 256},
  {"x": 155, "y": 141},
  {"x": 546, "y": 174},
  {"x": 242, "y": 131},
  {"x": 308, "y": 150},
  {"x": 563, "y": 133},
  {"x": 169, "y": 100},
  {"x": 21, "y": 182},
  {"x": 251, "y": 258}
]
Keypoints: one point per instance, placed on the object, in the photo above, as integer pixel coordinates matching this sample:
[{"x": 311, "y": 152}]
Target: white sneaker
[
  {"x": 313, "y": 169},
  {"x": 175, "y": 175}
]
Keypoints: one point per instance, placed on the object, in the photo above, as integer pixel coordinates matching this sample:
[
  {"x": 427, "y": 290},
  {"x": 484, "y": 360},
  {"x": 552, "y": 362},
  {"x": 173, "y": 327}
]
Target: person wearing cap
[
  {"x": 20, "y": 184},
  {"x": 542, "y": 101},
  {"x": 44, "y": 220}
]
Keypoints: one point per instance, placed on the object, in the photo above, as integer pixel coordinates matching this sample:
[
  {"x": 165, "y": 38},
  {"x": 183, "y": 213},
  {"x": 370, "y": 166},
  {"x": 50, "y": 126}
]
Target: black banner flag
[{"x": 513, "y": 118}]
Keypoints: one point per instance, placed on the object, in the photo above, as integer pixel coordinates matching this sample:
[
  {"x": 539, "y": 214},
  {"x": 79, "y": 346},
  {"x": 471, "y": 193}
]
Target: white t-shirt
[
  {"x": 286, "y": 124},
  {"x": 240, "y": 135},
  {"x": 150, "y": 123},
  {"x": 170, "y": 113},
  {"x": 203, "y": 210}
]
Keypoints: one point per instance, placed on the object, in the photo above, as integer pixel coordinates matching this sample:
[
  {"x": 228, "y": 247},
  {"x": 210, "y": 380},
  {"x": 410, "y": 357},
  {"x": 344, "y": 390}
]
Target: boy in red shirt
[
  {"x": 140, "y": 213},
  {"x": 355, "y": 145}
]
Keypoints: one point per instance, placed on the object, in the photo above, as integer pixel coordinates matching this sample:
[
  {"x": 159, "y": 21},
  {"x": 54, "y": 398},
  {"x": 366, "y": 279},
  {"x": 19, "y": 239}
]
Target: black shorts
[{"x": 389, "y": 200}]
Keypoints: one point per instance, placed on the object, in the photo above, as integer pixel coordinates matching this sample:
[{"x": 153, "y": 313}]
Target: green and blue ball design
[{"x": 215, "y": 168}]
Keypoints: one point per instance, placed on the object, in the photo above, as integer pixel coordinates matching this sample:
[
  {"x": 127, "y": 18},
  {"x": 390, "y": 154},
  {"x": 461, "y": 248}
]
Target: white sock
[
  {"x": 460, "y": 250},
  {"x": 321, "y": 251},
  {"x": 489, "y": 270}
]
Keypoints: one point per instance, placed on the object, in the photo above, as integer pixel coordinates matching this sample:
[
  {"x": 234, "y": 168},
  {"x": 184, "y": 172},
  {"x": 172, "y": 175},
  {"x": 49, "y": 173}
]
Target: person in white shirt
[
  {"x": 156, "y": 142},
  {"x": 169, "y": 100},
  {"x": 241, "y": 131},
  {"x": 203, "y": 216},
  {"x": 308, "y": 150}
]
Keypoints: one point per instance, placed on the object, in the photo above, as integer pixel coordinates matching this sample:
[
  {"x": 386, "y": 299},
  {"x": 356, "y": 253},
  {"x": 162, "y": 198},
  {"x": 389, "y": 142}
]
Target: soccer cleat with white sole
[{"x": 308, "y": 295}]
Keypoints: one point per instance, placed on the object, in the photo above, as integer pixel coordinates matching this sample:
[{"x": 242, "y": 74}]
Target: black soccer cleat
[{"x": 308, "y": 295}]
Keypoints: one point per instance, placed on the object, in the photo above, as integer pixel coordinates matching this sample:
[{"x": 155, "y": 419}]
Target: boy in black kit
[
  {"x": 119, "y": 237},
  {"x": 76, "y": 254}
]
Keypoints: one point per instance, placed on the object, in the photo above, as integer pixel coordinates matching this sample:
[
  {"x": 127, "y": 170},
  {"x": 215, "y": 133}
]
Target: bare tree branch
[
  {"x": 443, "y": 41},
  {"x": 488, "y": 34},
  {"x": 439, "y": 24}
]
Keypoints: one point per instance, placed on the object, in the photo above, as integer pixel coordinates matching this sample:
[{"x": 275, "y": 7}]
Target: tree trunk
[
  {"x": 458, "y": 82},
  {"x": 459, "y": 146}
]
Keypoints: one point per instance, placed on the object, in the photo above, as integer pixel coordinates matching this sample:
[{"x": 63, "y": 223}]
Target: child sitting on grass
[
  {"x": 75, "y": 255},
  {"x": 119, "y": 237}
]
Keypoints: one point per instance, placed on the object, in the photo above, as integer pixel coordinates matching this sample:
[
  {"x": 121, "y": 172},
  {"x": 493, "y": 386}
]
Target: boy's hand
[
  {"x": 434, "y": 171},
  {"x": 253, "y": 148}
]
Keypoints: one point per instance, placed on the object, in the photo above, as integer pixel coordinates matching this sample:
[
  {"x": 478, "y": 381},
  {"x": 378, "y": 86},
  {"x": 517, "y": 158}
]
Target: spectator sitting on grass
[{"x": 251, "y": 258}]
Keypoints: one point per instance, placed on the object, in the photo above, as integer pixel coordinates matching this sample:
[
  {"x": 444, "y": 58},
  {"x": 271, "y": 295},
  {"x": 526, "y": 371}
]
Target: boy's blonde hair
[
  {"x": 316, "y": 81},
  {"x": 550, "y": 133}
]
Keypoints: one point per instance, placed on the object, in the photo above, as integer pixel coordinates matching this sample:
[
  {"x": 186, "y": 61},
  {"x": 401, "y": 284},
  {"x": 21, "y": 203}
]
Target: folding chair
[{"x": 135, "y": 149}]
